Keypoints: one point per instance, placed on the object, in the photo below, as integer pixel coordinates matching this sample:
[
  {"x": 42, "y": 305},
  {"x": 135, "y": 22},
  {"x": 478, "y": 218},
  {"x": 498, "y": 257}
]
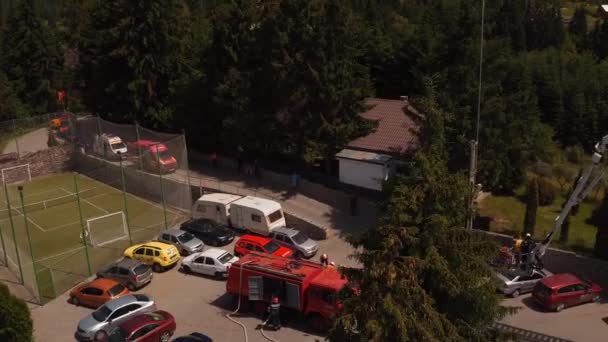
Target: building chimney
[{"x": 404, "y": 98}]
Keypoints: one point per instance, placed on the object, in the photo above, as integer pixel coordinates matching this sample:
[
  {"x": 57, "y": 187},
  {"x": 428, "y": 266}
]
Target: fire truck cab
[{"x": 301, "y": 286}]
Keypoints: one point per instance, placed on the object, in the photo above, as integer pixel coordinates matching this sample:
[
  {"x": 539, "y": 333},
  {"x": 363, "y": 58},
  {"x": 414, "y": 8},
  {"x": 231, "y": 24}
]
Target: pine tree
[
  {"x": 15, "y": 320},
  {"x": 133, "y": 53},
  {"x": 531, "y": 207},
  {"x": 30, "y": 58},
  {"x": 578, "y": 27},
  {"x": 599, "y": 218},
  {"x": 420, "y": 253}
]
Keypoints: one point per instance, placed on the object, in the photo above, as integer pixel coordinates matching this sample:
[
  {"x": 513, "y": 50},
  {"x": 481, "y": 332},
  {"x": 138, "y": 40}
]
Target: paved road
[
  {"x": 581, "y": 323},
  {"x": 30, "y": 142},
  {"x": 198, "y": 304}
]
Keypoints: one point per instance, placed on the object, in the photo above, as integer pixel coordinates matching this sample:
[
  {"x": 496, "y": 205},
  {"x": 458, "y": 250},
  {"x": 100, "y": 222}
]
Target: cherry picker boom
[{"x": 587, "y": 181}]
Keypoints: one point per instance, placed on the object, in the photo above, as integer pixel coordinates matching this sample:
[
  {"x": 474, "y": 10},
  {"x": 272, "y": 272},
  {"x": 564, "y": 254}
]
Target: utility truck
[
  {"x": 301, "y": 286},
  {"x": 153, "y": 156},
  {"x": 588, "y": 180},
  {"x": 109, "y": 146},
  {"x": 249, "y": 213}
]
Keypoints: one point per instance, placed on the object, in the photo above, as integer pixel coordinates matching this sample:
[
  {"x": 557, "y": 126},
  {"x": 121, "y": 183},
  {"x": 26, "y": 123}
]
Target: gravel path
[{"x": 31, "y": 142}]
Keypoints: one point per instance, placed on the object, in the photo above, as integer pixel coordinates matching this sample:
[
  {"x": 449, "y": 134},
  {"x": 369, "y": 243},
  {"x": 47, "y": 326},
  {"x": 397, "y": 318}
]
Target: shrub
[
  {"x": 575, "y": 154},
  {"x": 15, "y": 321},
  {"x": 547, "y": 192},
  {"x": 542, "y": 169}
]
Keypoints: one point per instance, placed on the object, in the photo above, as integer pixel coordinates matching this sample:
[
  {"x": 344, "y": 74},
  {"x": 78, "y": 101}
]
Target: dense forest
[{"x": 286, "y": 79}]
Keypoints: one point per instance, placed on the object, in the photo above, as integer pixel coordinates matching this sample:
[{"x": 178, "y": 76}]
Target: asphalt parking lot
[
  {"x": 199, "y": 304},
  {"x": 580, "y": 323}
]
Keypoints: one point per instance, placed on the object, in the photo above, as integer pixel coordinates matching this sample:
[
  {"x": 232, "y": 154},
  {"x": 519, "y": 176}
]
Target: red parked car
[
  {"x": 148, "y": 327},
  {"x": 561, "y": 290},
  {"x": 250, "y": 243}
]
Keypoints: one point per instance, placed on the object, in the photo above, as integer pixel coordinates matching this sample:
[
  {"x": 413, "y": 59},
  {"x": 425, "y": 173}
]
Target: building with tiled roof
[{"x": 369, "y": 161}]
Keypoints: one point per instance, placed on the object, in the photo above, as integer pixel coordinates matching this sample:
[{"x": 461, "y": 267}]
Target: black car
[
  {"x": 194, "y": 337},
  {"x": 212, "y": 233}
]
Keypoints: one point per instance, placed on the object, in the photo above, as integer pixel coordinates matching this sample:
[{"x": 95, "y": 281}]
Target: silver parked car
[
  {"x": 514, "y": 282},
  {"x": 131, "y": 273},
  {"x": 96, "y": 325},
  {"x": 185, "y": 242},
  {"x": 301, "y": 244}
]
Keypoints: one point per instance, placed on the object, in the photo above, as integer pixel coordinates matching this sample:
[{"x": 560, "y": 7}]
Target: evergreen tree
[
  {"x": 133, "y": 53},
  {"x": 599, "y": 37},
  {"x": 531, "y": 206},
  {"x": 420, "y": 253},
  {"x": 15, "y": 321},
  {"x": 10, "y": 106},
  {"x": 286, "y": 77},
  {"x": 599, "y": 218},
  {"x": 578, "y": 27},
  {"x": 30, "y": 58}
]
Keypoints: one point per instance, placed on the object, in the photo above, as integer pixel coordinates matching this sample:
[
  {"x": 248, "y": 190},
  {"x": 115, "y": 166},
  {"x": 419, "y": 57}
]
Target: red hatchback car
[
  {"x": 249, "y": 243},
  {"x": 148, "y": 327},
  {"x": 561, "y": 290}
]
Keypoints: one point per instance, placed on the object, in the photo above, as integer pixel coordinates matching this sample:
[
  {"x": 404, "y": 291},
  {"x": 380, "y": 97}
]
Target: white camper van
[
  {"x": 109, "y": 146},
  {"x": 250, "y": 213}
]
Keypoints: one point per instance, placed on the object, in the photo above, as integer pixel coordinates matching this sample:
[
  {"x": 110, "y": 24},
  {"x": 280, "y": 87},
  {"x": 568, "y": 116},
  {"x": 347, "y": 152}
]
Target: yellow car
[{"x": 159, "y": 255}]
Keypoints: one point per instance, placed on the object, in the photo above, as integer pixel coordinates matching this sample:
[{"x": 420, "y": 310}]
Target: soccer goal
[
  {"x": 106, "y": 229},
  {"x": 16, "y": 174}
]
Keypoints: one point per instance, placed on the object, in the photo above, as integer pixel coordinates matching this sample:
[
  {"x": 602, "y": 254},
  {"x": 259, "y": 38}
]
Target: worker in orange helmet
[
  {"x": 324, "y": 260},
  {"x": 274, "y": 310}
]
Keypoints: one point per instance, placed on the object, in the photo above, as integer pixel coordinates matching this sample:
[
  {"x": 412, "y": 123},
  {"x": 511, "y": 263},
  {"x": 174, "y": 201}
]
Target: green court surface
[{"x": 56, "y": 228}]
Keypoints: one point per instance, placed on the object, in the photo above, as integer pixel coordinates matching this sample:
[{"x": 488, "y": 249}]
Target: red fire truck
[{"x": 301, "y": 286}]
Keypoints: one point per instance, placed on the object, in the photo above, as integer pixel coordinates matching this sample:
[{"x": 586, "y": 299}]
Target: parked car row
[{"x": 551, "y": 291}]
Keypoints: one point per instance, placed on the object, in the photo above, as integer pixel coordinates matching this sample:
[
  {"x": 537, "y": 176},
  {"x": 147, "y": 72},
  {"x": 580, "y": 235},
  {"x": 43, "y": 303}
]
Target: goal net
[
  {"x": 106, "y": 229},
  {"x": 16, "y": 174}
]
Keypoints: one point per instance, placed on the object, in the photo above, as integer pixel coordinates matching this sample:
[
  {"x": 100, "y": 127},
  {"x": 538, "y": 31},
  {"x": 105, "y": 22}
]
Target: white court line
[
  {"x": 87, "y": 202},
  {"x": 58, "y": 254},
  {"x": 131, "y": 195},
  {"x": 62, "y": 226},
  {"x": 31, "y": 221}
]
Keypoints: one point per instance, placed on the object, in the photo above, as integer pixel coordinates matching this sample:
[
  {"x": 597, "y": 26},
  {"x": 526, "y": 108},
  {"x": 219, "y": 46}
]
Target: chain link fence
[{"x": 122, "y": 184}]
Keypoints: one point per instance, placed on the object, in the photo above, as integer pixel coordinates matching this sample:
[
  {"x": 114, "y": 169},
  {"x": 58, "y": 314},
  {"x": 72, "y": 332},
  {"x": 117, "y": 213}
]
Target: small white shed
[{"x": 364, "y": 169}]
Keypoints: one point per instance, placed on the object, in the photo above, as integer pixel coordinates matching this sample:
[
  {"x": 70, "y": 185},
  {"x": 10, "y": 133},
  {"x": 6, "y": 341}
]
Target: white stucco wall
[{"x": 365, "y": 175}]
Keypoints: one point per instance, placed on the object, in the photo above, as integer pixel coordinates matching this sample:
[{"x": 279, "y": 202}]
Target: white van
[
  {"x": 214, "y": 207},
  {"x": 250, "y": 213}
]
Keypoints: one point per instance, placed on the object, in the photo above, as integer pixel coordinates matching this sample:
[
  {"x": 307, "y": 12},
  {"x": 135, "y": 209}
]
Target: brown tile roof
[{"x": 393, "y": 134}]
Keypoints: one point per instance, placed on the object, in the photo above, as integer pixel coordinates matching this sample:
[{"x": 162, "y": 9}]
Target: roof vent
[{"x": 404, "y": 98}]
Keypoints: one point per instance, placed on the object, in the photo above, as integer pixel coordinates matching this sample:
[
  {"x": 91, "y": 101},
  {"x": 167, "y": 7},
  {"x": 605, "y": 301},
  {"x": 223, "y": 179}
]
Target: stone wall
[{"x": 53, "y": 160}]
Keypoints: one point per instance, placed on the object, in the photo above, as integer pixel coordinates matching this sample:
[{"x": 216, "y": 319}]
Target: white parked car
[{"x": 214, "y": 262}]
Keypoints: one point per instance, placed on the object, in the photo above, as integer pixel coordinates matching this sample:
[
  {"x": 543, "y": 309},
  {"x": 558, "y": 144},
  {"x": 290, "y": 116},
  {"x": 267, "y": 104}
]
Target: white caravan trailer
[
  {"x": 250, "y": 213},
  {"x": 214, "y": 206}
]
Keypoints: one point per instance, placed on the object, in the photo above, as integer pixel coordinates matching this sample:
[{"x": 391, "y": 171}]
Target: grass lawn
[
  {"x": 508, "y": 216},
  {"x": 55, "y": 228}
]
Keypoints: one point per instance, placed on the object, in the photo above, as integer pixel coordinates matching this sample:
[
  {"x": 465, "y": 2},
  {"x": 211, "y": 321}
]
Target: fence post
[
  {"x": 84, "y": 236},
  {"x": 124, "y": 195},
  {"x": 16, "y": 140},
  {"x": 3, "y": 245},
  {"x": 139, "y": 158},
  {"x": 187, "y": 170},
  {"x": 160, "y": 178},
  {"x": 10, "y": 218},
  {"x": 29, "y": 241}
]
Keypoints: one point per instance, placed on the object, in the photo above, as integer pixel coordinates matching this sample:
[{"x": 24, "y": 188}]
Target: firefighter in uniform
[
  {"x": 274, "y": 310},
  {"x": 324, "y": 260}
]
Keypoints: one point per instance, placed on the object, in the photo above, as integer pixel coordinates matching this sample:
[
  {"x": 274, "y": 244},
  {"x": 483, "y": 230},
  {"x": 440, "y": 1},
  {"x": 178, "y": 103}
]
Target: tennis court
[{"x": 56, "y": 218}]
